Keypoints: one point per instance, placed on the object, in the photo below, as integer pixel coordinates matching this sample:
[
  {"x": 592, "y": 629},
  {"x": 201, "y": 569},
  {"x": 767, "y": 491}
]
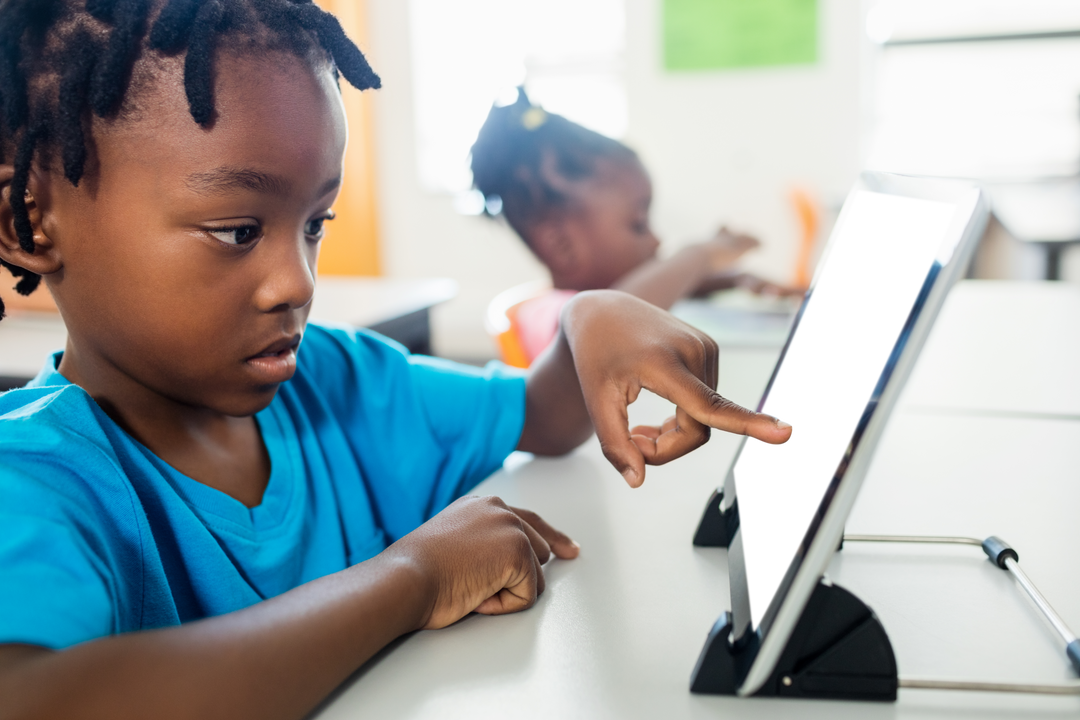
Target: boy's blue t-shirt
[{"x": 99, "y": 536}]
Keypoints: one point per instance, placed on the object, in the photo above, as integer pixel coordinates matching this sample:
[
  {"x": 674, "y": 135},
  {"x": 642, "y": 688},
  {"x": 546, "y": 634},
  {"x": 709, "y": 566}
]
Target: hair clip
[{"x": 533, "y": 118}]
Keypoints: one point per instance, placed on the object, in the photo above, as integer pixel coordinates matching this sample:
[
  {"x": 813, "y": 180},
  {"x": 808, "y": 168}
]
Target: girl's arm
[
  {"x": 611, "y": 346},
  {"x": 753, "y": 283},
  {"x": 664, "y": 282},
  {"x": 279, "y": 658}
]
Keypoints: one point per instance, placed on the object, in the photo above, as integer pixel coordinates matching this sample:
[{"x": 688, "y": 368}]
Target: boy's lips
[{"x": 277, "y": 362}]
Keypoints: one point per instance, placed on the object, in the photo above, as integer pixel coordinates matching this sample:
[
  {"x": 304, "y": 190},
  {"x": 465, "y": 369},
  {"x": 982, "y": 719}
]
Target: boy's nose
[{"x": 289, "y": 277}]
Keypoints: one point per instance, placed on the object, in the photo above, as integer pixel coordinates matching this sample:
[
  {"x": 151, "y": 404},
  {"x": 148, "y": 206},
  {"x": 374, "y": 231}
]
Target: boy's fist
[{"x": 480, "y": 555}]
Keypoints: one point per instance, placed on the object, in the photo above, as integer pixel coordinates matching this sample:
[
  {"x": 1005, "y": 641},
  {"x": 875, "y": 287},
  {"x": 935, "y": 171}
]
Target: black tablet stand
[
  {"x": 839, "y": 650},
  {"x": 717, "y": 526}
]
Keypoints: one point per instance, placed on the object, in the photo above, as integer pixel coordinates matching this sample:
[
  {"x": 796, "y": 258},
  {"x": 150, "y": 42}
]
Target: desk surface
[
  {"x": 618, "y": 631},
  {"x": 27, "y": 338},
  {"x": 1003, "y": 347}
]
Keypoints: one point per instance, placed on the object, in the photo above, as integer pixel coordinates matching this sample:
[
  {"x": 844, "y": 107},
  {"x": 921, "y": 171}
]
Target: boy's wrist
[
  {"x": 413, "y": 587},
  {"x": 582, "y": 306}
]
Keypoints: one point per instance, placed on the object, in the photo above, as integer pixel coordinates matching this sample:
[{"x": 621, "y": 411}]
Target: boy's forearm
[
  {"x": 277, "y": 659},
  {"x": 556, "y": 419},
  {"x": 664, "y": 282}
]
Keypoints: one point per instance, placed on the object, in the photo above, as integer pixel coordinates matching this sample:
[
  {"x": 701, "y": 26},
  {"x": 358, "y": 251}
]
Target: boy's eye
[
  {"x": 237, "y": 235},
  {"x": 314, "y": 228}
]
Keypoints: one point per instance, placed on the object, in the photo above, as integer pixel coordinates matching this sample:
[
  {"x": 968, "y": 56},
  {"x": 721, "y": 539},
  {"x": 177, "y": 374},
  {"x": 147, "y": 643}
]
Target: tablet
[{"x": 897, "y": 247}]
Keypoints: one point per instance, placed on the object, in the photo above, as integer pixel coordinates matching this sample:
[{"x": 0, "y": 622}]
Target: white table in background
[
  {"x": 619, "y": 629},
  {"x": 1003, "y": 347},
  {"x": 998, "y": 347}
]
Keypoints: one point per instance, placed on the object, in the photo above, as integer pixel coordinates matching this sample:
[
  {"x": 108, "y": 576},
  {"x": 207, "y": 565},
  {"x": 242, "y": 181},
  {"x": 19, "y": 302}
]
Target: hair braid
[
  {"x": 112, "y": 74},
  {"x": 24, "y": 229},
  {"x": 198, "y": 65},
  {"x": 12, "y": 81},
  {"x": 24, "y": 156},
  {"x": 173, "y": 26},
  {"x": 102, "y": 10},
  {"x": 348, "y": 58},
  {"x": 71, "y": 105}
]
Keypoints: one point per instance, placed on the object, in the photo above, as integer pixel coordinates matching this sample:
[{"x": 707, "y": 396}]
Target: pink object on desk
[{"x": 537, "y": 320}]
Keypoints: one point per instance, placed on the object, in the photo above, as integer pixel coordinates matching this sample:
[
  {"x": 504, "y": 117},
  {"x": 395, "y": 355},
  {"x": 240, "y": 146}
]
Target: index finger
[{"x": 708, "y": 407}]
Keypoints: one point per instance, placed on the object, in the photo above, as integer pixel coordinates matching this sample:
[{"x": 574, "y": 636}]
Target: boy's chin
[{"x": 247, "y": 403}]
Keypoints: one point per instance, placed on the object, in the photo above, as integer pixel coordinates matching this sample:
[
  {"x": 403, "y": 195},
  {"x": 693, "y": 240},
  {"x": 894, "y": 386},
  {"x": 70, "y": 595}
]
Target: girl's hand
[
  {"x": 620, "y": 345},
  {"x": 761, "y": 286},
  {"x": 480, "y": 555},
  {"x": 725, "y": 249},
  {"x": 747, "y": 281}
]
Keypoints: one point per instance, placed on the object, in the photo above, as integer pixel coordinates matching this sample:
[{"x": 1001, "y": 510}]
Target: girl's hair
[
  {"x": 62, "y": 61},
  {"x": 509, "y": 151}
]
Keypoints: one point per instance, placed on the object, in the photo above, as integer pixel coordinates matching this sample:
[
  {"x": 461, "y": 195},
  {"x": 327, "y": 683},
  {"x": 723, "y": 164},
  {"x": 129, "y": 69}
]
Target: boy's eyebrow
[{"x": 224, "y": 180}]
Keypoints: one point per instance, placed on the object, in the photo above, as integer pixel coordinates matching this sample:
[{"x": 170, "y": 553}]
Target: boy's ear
[{"x": 45, "y": 259}]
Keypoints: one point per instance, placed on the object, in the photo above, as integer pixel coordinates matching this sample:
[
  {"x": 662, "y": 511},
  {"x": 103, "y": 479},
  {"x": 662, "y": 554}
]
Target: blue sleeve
[
  {"x": 423, "y": 430},
  {"x": 54, "y": 588}
]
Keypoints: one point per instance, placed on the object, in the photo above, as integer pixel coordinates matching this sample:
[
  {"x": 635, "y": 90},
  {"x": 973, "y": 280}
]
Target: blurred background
[
  {"x": 988, "y": 89},
  {"x": 732, "y": 105}
]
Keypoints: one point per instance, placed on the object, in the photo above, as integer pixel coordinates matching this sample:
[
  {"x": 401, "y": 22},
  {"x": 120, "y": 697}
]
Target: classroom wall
[{"x": 722, "y": 147}]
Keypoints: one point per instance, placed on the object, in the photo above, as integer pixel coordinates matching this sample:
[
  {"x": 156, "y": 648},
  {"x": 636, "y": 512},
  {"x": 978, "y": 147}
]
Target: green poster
[{"x": 711, "y": 34}]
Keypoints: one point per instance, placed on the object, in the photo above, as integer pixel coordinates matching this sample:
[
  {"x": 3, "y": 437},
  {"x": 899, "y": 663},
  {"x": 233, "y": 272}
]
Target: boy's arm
[
  {"x": 279, "y": 658},
  {"x": 610, "y": 347}
]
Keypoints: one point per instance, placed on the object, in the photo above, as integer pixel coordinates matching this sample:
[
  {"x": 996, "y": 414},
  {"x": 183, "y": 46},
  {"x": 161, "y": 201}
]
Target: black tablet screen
[{"x": 858, "y": 310}]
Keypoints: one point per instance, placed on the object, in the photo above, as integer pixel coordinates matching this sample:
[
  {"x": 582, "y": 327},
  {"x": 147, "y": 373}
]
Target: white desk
[
  {"x": 619, "y": 629},
  {"x": 1005, "y": 348},
  {"x": 395, "y": 307}
]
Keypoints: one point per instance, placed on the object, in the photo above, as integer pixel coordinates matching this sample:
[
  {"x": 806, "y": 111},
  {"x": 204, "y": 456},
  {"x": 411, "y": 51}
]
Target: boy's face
[
  {"x": 605, "y": 231},
  {"x": 187, "y": 256}
]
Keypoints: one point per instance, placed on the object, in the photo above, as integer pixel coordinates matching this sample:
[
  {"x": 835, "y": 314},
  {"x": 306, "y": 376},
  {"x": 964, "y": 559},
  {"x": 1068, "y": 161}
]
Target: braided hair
[
  {"x": 64, "y": 61},
  {"x": 509, "y": 151}
]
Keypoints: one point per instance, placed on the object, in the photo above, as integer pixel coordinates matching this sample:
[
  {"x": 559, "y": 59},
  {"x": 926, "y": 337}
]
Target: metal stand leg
[{"x": 1006, "y": 558}]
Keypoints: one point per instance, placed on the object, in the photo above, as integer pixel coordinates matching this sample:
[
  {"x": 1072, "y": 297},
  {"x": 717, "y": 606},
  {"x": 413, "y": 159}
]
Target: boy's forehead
[{"x": 272, "y": 113}]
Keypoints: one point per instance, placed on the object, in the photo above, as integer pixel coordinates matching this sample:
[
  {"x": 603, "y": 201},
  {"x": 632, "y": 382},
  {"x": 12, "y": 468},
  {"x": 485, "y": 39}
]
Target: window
[
  {"x": 976, "y": 88},
  {"x": 468, "y": 54}
]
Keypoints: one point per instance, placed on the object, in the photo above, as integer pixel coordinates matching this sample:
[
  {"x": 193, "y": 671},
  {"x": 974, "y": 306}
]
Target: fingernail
[
  {"x": 576, "y": 544},
  {"x": 781, "y": 424},
  {"x": 629, "y": 475}
]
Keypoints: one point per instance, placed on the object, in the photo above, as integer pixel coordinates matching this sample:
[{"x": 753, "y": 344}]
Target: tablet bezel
[{"x": 766, "y": 642}]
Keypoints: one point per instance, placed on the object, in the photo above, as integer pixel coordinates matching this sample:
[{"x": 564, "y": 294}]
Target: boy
[{"x": 200, "y": 516}]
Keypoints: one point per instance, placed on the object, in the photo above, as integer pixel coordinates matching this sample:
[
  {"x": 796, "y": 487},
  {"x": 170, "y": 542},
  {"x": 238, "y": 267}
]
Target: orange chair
[
  {"x": 501, "y": 322},
  {"x": 809, "y": 217}
]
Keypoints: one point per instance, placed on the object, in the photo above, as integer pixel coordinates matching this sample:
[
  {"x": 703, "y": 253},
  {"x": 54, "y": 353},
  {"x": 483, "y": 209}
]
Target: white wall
[
  {"x": 721, "y": 146},
  {"x": 728, "y": 146}
]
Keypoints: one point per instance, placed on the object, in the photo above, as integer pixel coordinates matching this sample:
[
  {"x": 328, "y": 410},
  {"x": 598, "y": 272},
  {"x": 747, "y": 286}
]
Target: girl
[
  {"x": 580, "y": 201},
  {"x": 208, "y": 507}
]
